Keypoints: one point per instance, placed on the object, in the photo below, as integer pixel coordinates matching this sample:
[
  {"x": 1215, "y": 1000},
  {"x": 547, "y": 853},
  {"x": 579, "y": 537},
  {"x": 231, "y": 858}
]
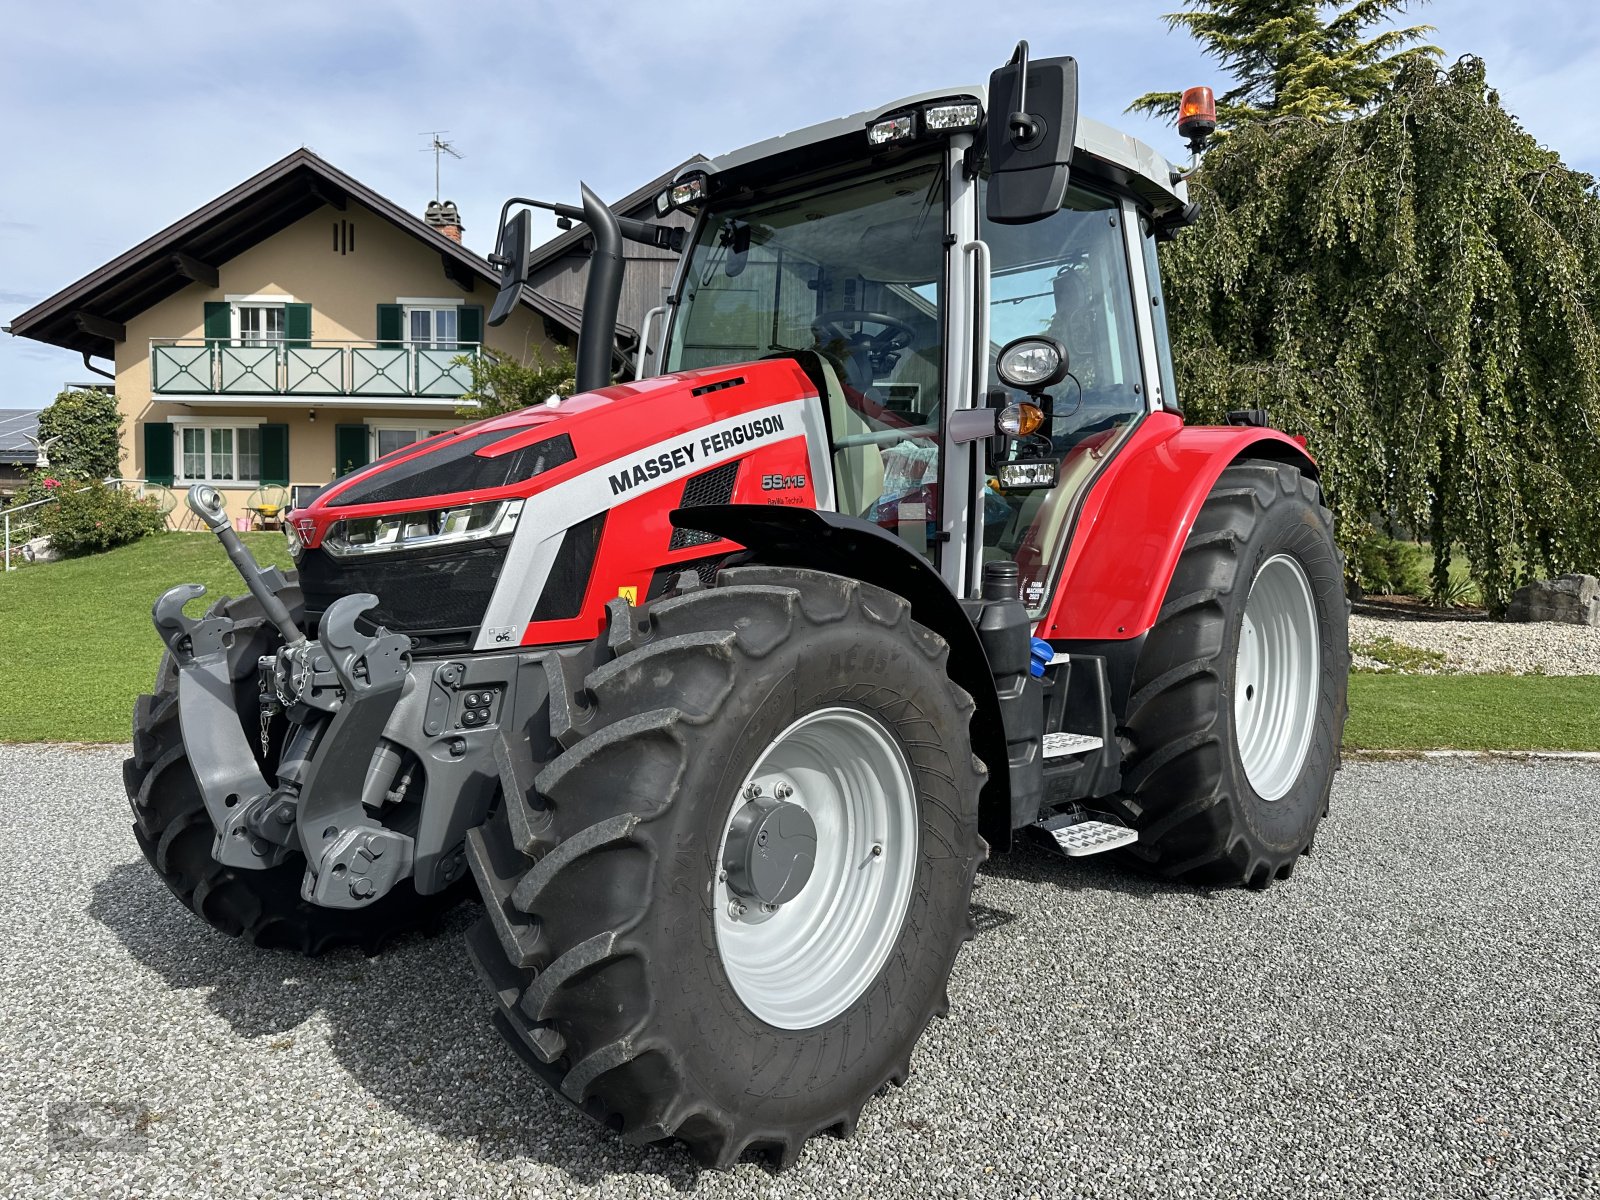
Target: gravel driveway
[
  {"x": 1416, "y": 1013},
  {"x": 1480, "y": 646}
]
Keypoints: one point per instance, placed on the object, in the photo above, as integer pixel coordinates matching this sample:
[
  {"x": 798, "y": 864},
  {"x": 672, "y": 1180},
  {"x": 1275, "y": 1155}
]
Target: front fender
[
  {"x": 1137, "y": 517},
  {"x": 809, "y": 539}
]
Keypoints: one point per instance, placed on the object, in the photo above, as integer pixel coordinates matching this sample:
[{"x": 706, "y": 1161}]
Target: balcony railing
[{"x": 206, "y": 366}]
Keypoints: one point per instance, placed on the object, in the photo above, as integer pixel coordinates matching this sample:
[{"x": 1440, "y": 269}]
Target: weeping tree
[{"x": 1413, "y": 289}]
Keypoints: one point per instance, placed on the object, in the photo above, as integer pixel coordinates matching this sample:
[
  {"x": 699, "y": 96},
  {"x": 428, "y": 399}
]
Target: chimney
[{"x": 444, "y": 217}]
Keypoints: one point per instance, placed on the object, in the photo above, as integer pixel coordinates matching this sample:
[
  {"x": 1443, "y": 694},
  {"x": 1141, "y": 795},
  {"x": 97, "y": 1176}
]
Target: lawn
[
  {"x": 76, "y": 646},
  {"x": 1474, "y": 712},
  {"x": 76, "y": 642}
]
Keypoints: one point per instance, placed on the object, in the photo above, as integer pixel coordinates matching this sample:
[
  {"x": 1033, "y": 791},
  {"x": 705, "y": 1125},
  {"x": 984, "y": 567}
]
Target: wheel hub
[
  {"x": 770, "y": 852},
  {"x": 806, "y": 918},
  {"x": 1275, "y": 677}
]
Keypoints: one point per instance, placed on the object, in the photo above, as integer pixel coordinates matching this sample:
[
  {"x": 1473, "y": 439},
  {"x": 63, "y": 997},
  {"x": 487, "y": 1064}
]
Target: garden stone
[
  {"x": 39, "y": 550},
  {"x": 1573, "y": 599}
]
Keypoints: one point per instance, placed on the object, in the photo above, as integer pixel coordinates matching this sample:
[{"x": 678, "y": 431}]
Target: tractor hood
[{"x": 438, "y": 529}]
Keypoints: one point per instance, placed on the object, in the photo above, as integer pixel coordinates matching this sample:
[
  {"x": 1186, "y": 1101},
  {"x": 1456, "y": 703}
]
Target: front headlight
[
  {"x": 1032, "y": 363},
  {"x": 422, "y": 530},
  {"x": 292, "y": 536}
]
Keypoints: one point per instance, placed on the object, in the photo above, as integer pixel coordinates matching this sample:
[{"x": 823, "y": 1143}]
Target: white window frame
[
  {"x": 235, "y": 424},
  {"x": 258, "y": 301},
  {"x": 421, "y": 428},
  {"x": 431, "y": 304}
]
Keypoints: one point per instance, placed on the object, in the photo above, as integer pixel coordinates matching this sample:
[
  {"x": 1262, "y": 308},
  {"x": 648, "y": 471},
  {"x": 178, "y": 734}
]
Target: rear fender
[
  {"x": 1137, "y": 517},
  {"x": 809, "y": 539}
]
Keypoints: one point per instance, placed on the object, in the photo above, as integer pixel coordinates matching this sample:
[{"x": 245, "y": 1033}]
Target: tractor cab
[{"x": 903, "y": 260}]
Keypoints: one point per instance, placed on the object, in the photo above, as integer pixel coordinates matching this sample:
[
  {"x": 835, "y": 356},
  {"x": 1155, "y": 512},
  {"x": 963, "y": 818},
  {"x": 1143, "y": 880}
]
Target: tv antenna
[{"x": 438, "y": 147}]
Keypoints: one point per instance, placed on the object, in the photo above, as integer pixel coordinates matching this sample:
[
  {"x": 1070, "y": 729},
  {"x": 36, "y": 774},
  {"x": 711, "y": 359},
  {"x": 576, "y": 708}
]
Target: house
[
  {"x": 299, "y": 326},
  {"x": 17, "y": 453}
]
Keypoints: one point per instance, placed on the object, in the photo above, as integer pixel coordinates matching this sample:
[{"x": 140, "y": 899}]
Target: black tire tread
[
  {"x": 174, "y": 831},
  {"x": 1197, "y": 834},
  {"x": 618, "y": 715}
]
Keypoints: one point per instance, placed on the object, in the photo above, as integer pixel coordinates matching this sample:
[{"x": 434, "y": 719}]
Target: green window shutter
[
  {"x": 390, "y": 319},
  {"x": 158, "y": 439},
  {"x": 469, "y": 323},
  {"x": 349, "y": 448},
  {"x": 219, "y": 321},
  {"x": 275, "y": 454},
  {"x": 297, "y": 325}
]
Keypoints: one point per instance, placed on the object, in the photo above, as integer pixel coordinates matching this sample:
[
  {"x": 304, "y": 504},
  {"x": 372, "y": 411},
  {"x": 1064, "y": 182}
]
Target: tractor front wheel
[
  {"x": 729, "y": 906},
  {"x": 1238, "y": 702},
  {"x": 175, "y": 832}
]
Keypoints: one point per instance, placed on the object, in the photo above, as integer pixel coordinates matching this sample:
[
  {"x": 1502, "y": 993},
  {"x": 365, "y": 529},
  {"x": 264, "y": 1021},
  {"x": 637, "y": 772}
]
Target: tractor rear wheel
[
  {"x": 1238, "y": 703},
  {"x": 175, "y": 832},
  {"x": 729, "y": 906}
]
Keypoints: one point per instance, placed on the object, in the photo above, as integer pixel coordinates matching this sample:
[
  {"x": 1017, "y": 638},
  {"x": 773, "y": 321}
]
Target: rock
[
  {"x": 39, "y": 550},
  {"x": 1572, "y": 599}
]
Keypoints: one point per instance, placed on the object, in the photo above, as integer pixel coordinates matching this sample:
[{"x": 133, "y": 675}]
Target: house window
[
  {"x": 258, "y": 324},
  {"x": 386, "y": 439},
  {"x": 220, "y": 454},
  {"x": 433, "y": 328}
]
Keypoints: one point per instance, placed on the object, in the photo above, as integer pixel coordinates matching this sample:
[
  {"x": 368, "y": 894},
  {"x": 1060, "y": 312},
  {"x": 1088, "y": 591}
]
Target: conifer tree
[{"x": 1296, "y": 58}]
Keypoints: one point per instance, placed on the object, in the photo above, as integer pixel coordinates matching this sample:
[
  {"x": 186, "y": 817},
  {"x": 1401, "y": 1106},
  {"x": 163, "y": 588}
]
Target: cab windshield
[{"x": 853, "y": 271}]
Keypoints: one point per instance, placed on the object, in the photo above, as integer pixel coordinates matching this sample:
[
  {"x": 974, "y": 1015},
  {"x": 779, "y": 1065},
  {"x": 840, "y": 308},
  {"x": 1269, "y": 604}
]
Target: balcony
[{"x": 365, "y": 370}]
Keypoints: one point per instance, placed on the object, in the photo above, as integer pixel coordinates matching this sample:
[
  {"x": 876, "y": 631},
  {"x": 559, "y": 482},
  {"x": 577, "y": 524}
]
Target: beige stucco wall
[{"x": 344, "y": 290}]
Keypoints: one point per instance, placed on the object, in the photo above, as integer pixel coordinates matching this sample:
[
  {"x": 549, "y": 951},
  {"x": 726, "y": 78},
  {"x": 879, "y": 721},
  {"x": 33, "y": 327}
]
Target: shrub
[
  {"x": 1387, "y": 567},
  {"x": 97, "y": 518},
  {"x": 88, "y": 424},
  {"x": 502, "y": 385}
]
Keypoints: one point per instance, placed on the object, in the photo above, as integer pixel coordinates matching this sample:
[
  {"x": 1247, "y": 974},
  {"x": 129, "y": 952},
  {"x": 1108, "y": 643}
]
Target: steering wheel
[{"x": 894, "y": 335}]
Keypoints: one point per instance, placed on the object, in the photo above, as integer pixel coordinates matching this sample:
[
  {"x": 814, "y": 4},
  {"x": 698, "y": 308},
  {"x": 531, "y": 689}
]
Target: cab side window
[{"x": 1066, "y": 277}]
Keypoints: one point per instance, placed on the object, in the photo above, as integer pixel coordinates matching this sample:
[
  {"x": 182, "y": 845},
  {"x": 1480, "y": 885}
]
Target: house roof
[
  {"x": 87, "y": 316},
  {"x": 16, "y": 426}
]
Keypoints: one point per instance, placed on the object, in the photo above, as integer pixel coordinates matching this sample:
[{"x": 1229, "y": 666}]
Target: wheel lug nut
[
  {"x": 783, "y": 791},
  {"x": 736, "y": 909},
  {"x": 769, "y": 908},
  {"x": 751, "y": 792}
]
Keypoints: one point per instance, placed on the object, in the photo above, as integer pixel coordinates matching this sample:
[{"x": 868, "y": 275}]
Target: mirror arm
[{"x": 1022, "y": 125}]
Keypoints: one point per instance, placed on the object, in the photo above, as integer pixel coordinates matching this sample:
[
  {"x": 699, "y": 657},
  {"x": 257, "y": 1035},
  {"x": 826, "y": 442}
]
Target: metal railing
[{"x": 211, "y": 367}]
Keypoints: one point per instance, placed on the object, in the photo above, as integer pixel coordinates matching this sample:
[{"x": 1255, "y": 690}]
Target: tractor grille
[
  {"x": 665, "y": 579},
  {"x": 709, "y": 487},
  {"x": 437, "y": 597},
  {"x": 569, "y": 574}
]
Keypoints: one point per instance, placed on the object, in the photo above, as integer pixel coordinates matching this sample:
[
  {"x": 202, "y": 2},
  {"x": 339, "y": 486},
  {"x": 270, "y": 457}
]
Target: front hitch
[{"x": 345, "y": 686}]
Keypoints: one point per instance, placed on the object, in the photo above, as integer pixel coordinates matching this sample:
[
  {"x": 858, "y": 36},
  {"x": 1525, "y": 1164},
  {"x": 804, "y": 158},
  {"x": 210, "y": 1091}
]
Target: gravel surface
[
  {"x": 1490, "y": 647},
  {"x": 1415, "y": 1013}
]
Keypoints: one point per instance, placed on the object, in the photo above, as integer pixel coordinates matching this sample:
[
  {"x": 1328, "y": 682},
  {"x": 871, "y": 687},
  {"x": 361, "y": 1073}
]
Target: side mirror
[
  {"x": 511, "y": 256},
  {"x": 1033, "y": 122}
]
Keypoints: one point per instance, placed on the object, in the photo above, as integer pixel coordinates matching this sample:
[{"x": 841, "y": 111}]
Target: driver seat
[{"x": 857, "y": 470}]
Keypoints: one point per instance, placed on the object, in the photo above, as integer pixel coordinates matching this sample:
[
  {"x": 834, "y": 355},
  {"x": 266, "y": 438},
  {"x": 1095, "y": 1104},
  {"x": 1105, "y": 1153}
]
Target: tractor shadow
[
  {"x": 411, "y": 1026},
  {"x": 1030, "y": 861}
]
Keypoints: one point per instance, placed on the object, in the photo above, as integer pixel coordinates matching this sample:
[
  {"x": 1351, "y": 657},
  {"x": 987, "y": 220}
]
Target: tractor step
[
  {"x": 1064, "y": 745},
  {"x": 1079, "y": 838}
]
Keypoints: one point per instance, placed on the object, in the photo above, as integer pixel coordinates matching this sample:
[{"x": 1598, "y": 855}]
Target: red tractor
[{"x": 721, "y": 684}]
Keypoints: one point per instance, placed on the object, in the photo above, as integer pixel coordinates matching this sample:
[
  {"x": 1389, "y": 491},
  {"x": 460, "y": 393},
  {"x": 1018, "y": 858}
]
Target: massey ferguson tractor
[{"x": 720, "y": 684}]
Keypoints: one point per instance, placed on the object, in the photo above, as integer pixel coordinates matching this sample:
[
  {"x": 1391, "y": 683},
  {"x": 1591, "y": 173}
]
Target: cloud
[{"x": 168, "y": 109}]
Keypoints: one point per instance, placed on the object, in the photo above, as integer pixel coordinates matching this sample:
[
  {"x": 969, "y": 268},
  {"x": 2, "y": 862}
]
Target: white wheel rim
[
  {"x": 1276, "y": 676},
  {"x": 813, "y": 957}
]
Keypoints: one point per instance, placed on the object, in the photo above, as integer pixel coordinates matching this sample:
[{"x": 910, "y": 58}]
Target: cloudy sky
[{"x": 123, "y": 117}]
